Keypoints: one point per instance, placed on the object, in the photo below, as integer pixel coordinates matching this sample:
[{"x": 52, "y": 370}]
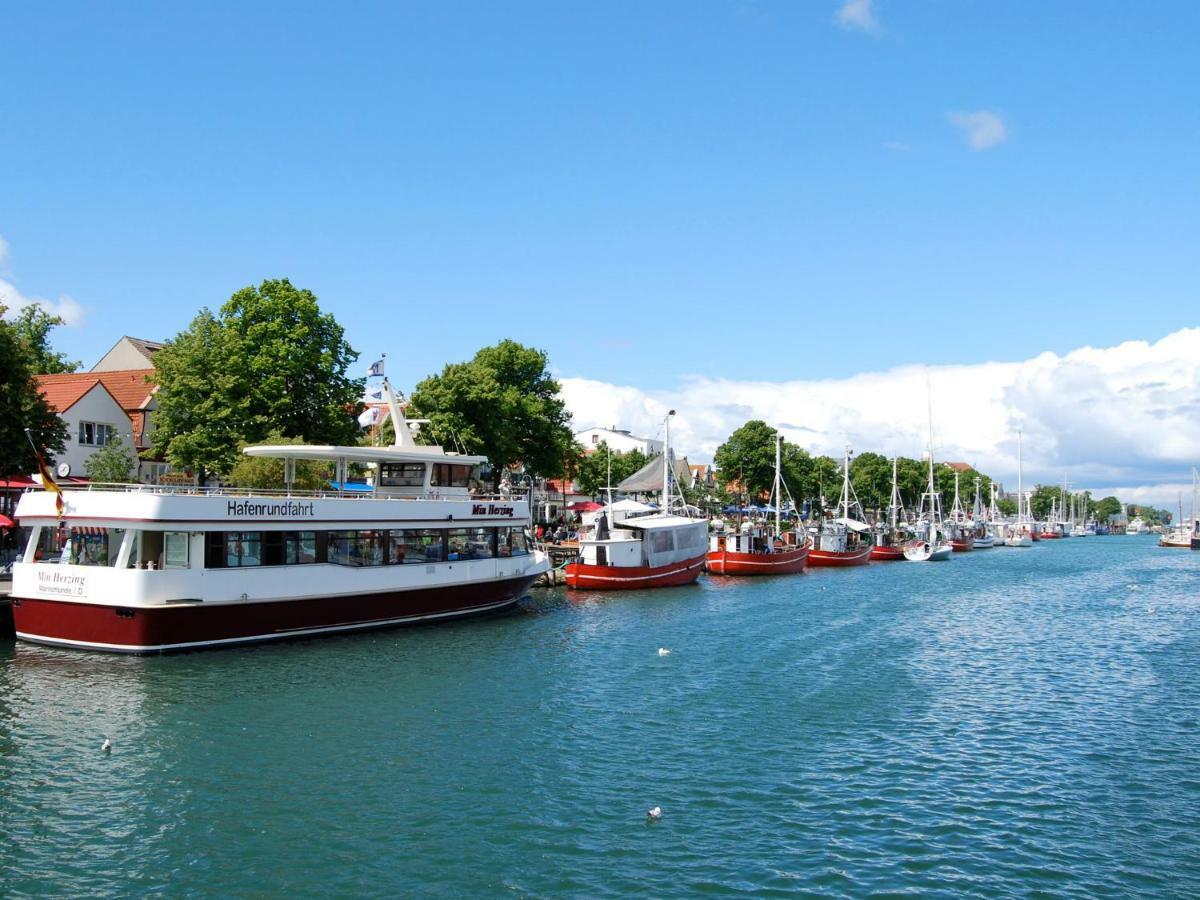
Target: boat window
[
  {"x": 511, "y": 542},
  {"x": 450, "y": 475},
  {"x": 402, "y": 475},
  {"x": 175, "y": 549},
  {"x": 243, "y": 548},
  {"x": 470, "y": 543},
  {"x": 357, "y": 548},
  {"x": 417, "y": 545},
  {"x": 300, "y": 547},
  {"x": 662, "y": 541},
  {"x": 89, "y": 547}
]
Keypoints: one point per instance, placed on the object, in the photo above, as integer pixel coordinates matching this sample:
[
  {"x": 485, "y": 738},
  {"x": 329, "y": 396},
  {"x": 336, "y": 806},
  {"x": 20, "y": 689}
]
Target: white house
[
  {"x": 619, "y": 441},
  {"x": 99, "y": 408}
]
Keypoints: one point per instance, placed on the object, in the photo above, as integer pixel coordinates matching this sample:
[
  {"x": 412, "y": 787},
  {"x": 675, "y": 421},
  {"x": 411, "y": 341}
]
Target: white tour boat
[{"x": 147, "y": 569}]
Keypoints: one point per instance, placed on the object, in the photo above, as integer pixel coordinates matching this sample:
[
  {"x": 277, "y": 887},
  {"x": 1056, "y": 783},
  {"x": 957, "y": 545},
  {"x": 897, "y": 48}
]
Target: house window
[
  {"x": 595, "y": 438},
  {"x": 96, "y": 434}
]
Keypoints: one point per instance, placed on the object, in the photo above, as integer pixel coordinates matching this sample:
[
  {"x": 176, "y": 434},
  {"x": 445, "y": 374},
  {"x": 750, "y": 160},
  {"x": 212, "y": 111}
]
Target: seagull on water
[
  {"x": 106, "y": 746},
  {"x": 654, "y": 813},
  {"x": 663, "y": 651}
]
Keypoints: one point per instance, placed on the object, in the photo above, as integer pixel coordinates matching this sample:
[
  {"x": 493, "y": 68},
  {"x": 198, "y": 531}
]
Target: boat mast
[
  {"x": 846, "y": 483},
  {"x": 894, "y": 508},
  {"x": 666, "y": 491},
  {"x": 777, "y": 491}
]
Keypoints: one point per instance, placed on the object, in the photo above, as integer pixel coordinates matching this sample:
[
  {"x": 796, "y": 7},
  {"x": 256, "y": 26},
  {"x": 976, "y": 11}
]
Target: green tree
[
  {"x": 592, "y": 476},
  {"x": 1044, "y": 498},
  {"x": 1007, "y": 507},
  {"x": 871, "y": 475},
  {"x": 1108, "y": 506},
  {"x": 502, "y": 404},
  {"x": 269, "y": 362},
  {"x": 22, "y": 406},
  {"x": 114, "y": 463},
  {"x": 747, "y": 459},
  {"x": 33, "y": 325}
]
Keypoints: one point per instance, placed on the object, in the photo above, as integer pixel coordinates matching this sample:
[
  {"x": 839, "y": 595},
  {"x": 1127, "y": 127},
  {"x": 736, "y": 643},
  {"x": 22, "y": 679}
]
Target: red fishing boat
[
  {"x": 756, "y": 549},
  {"x": 843, "y": 541},
  {"x": 889, "y": 539}
]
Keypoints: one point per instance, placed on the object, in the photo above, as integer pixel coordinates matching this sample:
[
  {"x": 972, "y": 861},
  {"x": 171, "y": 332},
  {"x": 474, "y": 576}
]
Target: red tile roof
[{"x": 128, "y": 387}]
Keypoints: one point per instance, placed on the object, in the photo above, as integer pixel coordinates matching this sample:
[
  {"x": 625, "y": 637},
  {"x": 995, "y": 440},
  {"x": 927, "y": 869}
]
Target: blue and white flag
[
  {"x": 375, "y": 395},
  {"x": 376, "y": 368},
  {"x": 370, "y": 416}
]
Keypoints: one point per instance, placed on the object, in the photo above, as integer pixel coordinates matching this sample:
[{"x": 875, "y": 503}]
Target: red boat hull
[
  {"x": 1048, "y": 535},
  {"x": 135, "y": 629},
  {"x": 780, "y": 562},
  {"x": 833, "y": 558},
  {"x": 963, "y": 546},
  {"x": 584, "y": 577},
  {"x": 879, "y": 552}
]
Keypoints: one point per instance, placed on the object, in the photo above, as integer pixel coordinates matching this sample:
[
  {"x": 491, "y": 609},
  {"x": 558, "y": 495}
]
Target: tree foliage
[
  {"x": 502, "y": 404},
  {"x": 269, "y": 362},
  {"x": 23, "y": 406},
  {"x": 114, "y": 463},
  {"x": 593, "y": 471},
  {"x": 33, "y": 325},
  {"x": 747, "y": 460}
]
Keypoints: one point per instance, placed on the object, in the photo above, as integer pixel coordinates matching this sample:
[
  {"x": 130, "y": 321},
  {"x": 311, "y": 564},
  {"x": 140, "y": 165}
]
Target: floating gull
[
  {"x": 654, "y": 813},
  {"x": 106, "y": 746},
  {"x": 663, "y": 651}
]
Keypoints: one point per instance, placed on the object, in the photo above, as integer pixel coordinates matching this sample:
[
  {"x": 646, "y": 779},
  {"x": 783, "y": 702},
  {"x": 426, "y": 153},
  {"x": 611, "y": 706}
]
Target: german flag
[{"x": 49, "y": 483}]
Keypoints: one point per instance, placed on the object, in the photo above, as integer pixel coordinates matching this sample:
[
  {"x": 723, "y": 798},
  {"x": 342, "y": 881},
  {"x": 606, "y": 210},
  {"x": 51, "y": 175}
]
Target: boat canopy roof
[
  {"x": 649, "y": 523},
  {"x": 853, "y": 524},
  {"x": 416, "y": 453}
]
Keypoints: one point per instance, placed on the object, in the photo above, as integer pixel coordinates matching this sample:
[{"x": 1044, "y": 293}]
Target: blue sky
[{"x": 765, "y": 190}]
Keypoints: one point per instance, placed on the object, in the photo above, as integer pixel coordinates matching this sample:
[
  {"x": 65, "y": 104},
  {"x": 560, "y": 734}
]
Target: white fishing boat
[{"x": 658, "y": 549}]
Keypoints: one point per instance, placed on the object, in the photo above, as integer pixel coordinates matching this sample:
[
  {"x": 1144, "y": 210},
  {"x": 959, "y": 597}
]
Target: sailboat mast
[{"x": 1020, "y": 486}]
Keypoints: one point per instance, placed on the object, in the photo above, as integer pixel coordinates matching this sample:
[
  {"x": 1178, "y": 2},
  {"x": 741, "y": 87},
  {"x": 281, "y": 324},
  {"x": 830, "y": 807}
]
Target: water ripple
[{"x": 1011, "y": 723}]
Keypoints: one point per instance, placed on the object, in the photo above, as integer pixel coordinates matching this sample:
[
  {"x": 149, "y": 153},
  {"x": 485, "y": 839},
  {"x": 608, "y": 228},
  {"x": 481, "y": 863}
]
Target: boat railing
[{"x": 233, "y": 491}]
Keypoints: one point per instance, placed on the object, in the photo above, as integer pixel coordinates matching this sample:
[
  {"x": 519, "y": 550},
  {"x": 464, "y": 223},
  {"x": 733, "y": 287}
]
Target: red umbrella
[
  {"x": 5, "y": 521},
  {"x": 585, "y": 506}
]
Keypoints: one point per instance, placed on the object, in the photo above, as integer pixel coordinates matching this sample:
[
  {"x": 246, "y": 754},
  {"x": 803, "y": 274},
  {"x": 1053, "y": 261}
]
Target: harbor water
[{"x": 1007, "y": 723}]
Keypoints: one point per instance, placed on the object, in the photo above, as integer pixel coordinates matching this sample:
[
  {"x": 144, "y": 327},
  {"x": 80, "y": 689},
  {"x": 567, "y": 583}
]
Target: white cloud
[
  {"x": 858, "y": 15},
  {"x": 1127, "y": 415},
  {"x": 68, "y": 308},
  {"x": 982, "y": 129}
]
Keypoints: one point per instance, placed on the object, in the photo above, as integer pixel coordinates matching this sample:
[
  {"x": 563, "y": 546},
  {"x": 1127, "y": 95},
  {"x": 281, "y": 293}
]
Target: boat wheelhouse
[{"x": 140, "y": 568}]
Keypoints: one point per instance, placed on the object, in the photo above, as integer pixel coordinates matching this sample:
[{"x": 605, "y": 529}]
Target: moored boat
[
  {"x": 844, "y": 540},
  {"x": 639, "y": 551},
  {"x": 147, "y": 569},
  {"x": 889, "y": 536},
  {"x": 757, "y": 549},
  {"x": 1020, "y": 534}
]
